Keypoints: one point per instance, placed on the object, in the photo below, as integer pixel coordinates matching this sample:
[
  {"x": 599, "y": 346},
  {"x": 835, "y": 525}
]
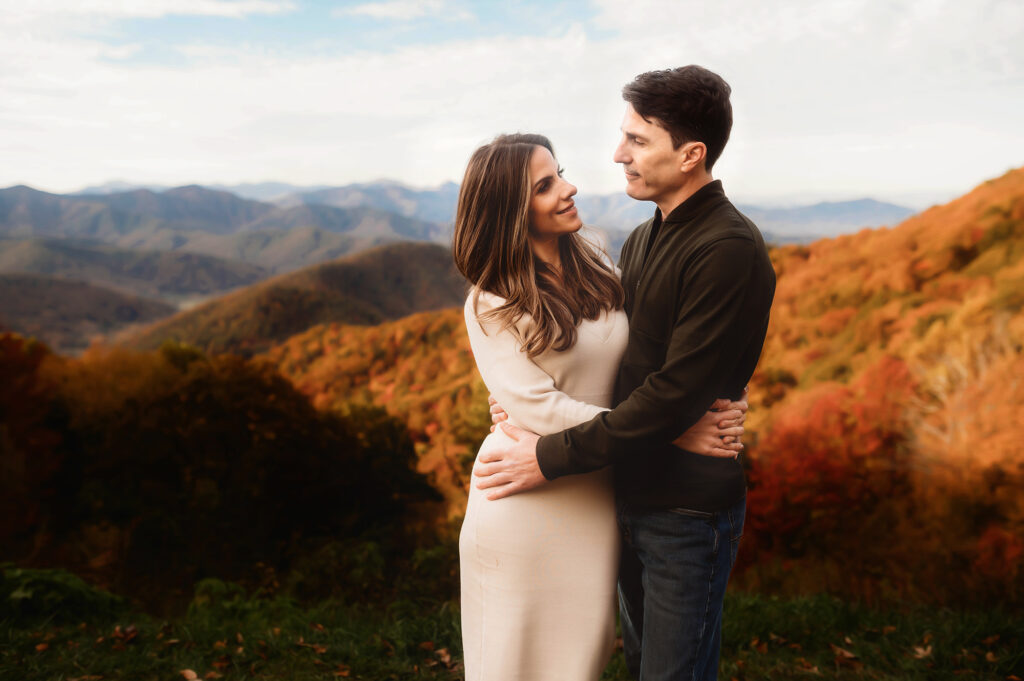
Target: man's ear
[{"x": 691, "y": 156}]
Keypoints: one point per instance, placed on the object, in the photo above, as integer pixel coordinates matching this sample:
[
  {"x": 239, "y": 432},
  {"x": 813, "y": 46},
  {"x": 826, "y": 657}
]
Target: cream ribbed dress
[{"x": 538, "y": 569}]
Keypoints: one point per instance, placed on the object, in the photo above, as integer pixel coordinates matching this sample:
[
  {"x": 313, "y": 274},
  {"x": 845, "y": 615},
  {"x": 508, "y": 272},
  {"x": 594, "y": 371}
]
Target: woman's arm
[{"x": 516, "y": 381}]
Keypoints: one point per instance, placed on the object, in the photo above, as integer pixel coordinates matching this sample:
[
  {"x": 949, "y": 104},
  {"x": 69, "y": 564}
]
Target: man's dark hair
[{"x": 690, "y": 102}]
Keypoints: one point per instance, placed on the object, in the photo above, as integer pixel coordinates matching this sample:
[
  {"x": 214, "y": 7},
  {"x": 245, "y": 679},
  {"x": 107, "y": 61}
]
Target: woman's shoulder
[{"x": 480, "y": 301}]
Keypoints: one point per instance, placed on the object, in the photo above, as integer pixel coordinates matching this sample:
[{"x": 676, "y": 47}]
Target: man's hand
[{"x": 513, "y": 469}]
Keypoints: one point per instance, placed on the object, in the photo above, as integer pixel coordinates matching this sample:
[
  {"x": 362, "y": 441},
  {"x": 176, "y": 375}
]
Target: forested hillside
[
  {"x": 69, "y": 314},
  {"x": 368, "y": 288}
]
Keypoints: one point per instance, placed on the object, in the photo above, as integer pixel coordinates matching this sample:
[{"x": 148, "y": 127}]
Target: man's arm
[{"x": 713, "y": 324}]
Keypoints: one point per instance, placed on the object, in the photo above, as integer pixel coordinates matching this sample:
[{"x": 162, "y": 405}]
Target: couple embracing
[{"x": 619, "y": 395}]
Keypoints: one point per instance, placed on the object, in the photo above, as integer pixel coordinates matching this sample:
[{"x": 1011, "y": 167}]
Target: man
[{"x": 699, "y": 286}]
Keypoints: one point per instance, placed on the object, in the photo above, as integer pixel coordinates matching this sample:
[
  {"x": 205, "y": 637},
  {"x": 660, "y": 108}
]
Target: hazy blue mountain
[
  {"x": 433, "y": 205},
  {"x": 172, "y": 276},
  {"x": 217, "y": 223},
  {"x": 270, "y": 192},
  {"x": 274, "y": 250},
  {"x": 616, "y": 213},
  {"x": 827, "y": 219},
  {"x": 117, "y": 186}
]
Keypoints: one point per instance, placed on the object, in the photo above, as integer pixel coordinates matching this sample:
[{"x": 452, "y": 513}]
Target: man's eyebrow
[{"x": 634, "y": 135}]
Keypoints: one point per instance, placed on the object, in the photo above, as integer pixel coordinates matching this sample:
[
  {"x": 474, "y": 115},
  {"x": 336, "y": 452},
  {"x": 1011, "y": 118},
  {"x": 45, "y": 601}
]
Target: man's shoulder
[{"x": 726, "y": 221}]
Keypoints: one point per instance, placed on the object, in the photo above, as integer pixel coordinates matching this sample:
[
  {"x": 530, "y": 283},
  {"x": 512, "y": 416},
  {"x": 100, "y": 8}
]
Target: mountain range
[{"x": 611, "y": 212}]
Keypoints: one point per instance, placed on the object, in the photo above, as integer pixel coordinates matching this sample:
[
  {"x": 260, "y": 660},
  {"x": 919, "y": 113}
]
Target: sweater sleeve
[
  {"x": 712, "y": 324},
  {"x": 522, "y": 388}
]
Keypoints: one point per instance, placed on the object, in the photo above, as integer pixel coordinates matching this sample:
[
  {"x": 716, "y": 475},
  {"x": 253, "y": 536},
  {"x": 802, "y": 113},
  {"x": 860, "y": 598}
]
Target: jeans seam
[{"x": 707, "y": 603}]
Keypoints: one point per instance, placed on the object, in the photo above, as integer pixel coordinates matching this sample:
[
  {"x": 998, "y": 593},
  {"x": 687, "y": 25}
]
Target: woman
[{"x": 547, "y": 330}]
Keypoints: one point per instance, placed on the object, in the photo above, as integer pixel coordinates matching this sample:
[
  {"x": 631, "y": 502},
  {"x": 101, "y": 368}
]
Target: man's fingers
[
  {"x": 490, "y": 456},
  {"x": 503, "y": 491},
  {"x": 719, "y": 404},
  {"x": 495, "y": 480},
  {"x": 512, "y": 431},
  {"x": 723, "y": 453},
  {"x": 484, "y": 470}
]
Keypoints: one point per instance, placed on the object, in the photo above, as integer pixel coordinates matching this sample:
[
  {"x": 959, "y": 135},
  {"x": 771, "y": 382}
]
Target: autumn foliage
[
  {"x": 166, "y": 467},
  {"x": 885, "y": 448}
]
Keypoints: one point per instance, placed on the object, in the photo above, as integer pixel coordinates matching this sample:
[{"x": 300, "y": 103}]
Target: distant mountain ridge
[
  {"x": 156, "y": 274},
  {"x": 384, "y": 283},
  {"x": 614, "y": 212}
]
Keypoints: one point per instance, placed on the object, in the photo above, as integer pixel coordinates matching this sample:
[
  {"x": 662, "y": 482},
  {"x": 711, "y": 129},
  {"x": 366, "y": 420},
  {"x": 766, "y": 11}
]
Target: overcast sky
[{"x": 909, "y": 101}]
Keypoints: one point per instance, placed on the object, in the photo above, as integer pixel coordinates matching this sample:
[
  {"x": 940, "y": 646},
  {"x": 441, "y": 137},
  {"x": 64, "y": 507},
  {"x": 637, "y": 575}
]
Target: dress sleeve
[{"x": 523, "y": 389}]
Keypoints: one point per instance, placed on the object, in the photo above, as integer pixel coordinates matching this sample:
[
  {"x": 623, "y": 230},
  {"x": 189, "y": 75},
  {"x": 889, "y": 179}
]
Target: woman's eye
[{"x": 561, "y": 171}]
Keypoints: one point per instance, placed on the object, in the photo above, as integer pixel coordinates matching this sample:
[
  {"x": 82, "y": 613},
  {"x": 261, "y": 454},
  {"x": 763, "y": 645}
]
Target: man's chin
[{"x": 634, "y": 191}]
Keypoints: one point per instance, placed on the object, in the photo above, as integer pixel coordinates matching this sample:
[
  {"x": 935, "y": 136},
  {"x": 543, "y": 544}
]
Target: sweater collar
[{"x": 685, "y": 211}]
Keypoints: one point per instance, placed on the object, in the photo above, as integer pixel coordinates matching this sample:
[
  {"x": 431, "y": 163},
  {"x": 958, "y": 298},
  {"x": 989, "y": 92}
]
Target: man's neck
[{"x": 690, "y": 185}]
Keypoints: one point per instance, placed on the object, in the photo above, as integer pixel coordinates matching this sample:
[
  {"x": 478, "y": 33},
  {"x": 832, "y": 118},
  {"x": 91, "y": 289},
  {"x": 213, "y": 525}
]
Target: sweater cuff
[{"x": 552, "y": 458}]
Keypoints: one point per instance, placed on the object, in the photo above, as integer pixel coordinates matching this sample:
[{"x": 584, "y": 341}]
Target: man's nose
[{"x": 620, "y": 155}]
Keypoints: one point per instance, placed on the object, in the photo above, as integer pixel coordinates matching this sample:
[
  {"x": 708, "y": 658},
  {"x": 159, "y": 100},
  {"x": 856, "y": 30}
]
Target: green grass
[{"x": 228, "y": 635}]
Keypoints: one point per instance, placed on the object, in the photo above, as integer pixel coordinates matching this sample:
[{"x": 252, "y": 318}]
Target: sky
[{"x": 913, "y": 102}]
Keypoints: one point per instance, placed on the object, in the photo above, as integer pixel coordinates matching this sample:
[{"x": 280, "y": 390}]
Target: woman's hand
[
  {"x": 497, "y": 413},
  {"x": 719, "y": 432}
]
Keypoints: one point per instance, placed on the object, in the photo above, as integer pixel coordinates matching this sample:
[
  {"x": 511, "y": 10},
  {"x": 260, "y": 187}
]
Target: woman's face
[{"x": 552, "y": 210}]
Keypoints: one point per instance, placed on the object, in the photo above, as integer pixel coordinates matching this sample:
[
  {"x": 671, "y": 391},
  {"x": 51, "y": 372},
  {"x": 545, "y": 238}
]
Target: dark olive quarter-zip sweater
[{"x": 699, "y": 286}]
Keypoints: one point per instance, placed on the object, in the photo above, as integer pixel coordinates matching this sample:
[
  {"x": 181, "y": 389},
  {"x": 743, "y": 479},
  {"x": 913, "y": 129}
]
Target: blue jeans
[{"x": 673, "y": 571}]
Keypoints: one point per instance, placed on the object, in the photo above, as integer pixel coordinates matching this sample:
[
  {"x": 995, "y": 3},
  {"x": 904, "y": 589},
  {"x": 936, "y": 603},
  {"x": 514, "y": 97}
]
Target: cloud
[
  {"x": 402, "y": 10},
  {"x": 831, "y": 99},
  {"x": 149, "y": 9}
]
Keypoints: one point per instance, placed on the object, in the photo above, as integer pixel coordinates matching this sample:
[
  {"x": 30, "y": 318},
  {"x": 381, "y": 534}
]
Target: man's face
[{"x": 652, "y": 165}]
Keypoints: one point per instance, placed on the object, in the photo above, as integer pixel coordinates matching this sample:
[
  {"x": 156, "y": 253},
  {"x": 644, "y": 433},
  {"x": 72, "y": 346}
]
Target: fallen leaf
[
  {"x": 842, "y": 652},
  {"x": 991, "y": 657},
  {"x": 318, "y": 627},
  {"x": 238, "y": 637},
  {"x": 427, "y": 645},
  {"x": 343, "y": 670},
  {"x": 922, "y": 652},
  {"x": 990, "y": 640},
  {"x": 42, "y": 646},
  {"x": 212, "y": 675},
  {"x": 189, "y": 675},
  {"x": 889, "y": 629},
  {"x": 221, "y": 644}
]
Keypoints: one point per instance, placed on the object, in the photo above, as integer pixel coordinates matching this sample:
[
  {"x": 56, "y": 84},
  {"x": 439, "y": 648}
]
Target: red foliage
[{"x": 833, "y": 454}]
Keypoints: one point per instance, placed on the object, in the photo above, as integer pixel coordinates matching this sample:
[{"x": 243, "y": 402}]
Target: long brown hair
[{"x": 492, "y": 250}]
